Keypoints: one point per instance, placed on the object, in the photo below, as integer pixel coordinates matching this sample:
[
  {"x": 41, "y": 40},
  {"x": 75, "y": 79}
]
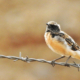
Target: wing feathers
[{"x": 70, "y": 41}]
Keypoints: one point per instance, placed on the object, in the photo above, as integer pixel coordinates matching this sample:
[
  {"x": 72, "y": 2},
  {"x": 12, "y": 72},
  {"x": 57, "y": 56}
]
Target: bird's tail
[{"x": 74, "y": 54}]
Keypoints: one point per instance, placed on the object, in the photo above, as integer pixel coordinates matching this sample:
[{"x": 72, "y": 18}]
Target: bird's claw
[{"x": 66, "y": 64}]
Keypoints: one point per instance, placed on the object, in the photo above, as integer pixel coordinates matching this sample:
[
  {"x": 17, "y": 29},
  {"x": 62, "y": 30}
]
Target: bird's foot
[
  {"x": 53, "y": 61},
  {"x": 66, "y": 64}
]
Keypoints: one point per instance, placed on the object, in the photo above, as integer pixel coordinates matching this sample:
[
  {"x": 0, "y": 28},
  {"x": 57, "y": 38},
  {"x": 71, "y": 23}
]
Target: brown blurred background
[{"x": 22, "y": 27}]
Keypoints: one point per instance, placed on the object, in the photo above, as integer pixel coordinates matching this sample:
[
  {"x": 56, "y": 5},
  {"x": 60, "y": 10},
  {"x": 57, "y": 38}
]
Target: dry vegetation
[{"x": 22, "y": 26}]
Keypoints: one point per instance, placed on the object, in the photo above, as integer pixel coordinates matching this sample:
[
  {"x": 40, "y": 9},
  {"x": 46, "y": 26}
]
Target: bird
[{"x": 60, "y": 42}]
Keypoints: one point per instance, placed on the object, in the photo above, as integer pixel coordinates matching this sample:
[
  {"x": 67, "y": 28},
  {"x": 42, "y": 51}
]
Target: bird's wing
[
  {"x": 69, "y": 41},
  {"x": 73, "y": 45}
]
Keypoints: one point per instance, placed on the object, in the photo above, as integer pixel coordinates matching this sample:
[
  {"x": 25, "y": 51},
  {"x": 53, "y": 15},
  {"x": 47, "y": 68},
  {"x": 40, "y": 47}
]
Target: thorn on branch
[
  {"x": 20, "y": 54},
  {"x": 74, "y": 63},
  {"x": 53, "y": 63},
  {"x": 27, "y": 59},
  {"x": 78, "y": 66}
]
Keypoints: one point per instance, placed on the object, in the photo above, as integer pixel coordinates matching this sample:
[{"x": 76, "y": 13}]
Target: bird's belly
[{"x": 57, "y": 46}]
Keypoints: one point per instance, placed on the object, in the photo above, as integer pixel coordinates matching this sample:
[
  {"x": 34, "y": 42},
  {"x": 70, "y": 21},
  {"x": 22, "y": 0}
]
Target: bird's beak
[{"x": 46, "y": 23}]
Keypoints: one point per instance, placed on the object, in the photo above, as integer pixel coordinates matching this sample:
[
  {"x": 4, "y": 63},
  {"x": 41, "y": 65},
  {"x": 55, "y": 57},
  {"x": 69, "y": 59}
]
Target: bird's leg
[
  {"x": 67, "y": 61},
  {"x": 53, "y": 61}
]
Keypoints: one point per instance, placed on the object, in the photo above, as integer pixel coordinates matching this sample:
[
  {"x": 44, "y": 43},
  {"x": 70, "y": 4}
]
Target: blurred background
[{"x": 22, "y": 28}]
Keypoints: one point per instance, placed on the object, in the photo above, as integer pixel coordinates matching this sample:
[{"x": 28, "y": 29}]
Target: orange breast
[{"x": 56, "y": 45}]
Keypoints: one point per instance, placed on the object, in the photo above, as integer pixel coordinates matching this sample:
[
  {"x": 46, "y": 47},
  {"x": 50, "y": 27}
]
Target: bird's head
[{"x": 53, "y": 27}]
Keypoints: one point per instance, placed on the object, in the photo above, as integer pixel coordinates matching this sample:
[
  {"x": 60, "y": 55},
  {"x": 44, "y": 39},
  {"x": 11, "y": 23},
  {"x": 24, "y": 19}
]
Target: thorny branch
[{"x": 26, "y": 59}]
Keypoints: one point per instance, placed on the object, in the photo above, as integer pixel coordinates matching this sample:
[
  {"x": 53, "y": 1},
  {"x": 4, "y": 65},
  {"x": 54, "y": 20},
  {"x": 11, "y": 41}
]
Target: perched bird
[{"x": 60, "y": 42}]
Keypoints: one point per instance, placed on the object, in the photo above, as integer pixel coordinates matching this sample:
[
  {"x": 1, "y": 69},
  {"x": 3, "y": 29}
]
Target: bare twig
[{"x": 26, "y": 59}]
